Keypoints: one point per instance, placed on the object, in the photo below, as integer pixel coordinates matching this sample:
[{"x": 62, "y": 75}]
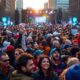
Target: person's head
[
  {"x": 78, "y": 54},
  {"x": 18, "y": 52},
  {"x": 44, "y": 63},
  {"x": 56, "y": 44},
  {"x": 75, "y": 45},
  {"x": 36, "y": 46},
  {"x": 55, "y": 54},
  {"x": 67, "y": 48},
  {"x": 4, "y": 59},
  {"x": 25, "y": 63},
  {"x": 38, "y": 54},
  {"x": 73, "y": 73},
  {"x": 29, "y": 44},
  {"x": 72, "y": 61}
]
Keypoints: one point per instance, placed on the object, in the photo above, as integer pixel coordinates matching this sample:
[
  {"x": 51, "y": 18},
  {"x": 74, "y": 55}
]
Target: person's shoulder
[
  {"x": 55, "y": 76},
  {"x": 19, "y": 76},
  {"x": 37, "y": 74}
]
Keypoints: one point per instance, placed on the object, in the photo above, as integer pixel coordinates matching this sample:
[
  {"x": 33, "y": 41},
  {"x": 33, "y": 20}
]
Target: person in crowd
[
  {"x": 45, "y": 70},
  {"x": 18, "y": 52},
  {"x": 25, "y": 68},
  {"x": 73, "y": 73},
  {"x": 46, "y": 48},
  {"x": 5, "y": 68},
  {"x": 37, "y": 55},
  {"x": 67, "y": 50},
  {"x": 75, "y": 47},
  {"x": 10, "y": 52},
  {"x": 21, "y": 41},
  {"x": 71, "y": 61},
  {"x": 78, "y": 54},
  {"x": 29, "y": 47},
  {"x": 57, "y": 63}
]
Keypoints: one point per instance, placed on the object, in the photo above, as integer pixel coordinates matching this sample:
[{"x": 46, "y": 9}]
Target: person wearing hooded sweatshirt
[{"x": 57, "y": 64}]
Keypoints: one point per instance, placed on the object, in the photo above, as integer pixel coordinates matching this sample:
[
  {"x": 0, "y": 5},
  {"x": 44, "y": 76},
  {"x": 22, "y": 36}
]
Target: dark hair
[
  {"x": 22, "y": 61},
  {"x": 49, "y": 71}
]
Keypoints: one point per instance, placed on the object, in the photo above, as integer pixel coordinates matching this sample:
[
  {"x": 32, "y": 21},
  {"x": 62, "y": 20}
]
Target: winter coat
[
  {"x": 8, "y": 76},
  {"x": 39, "y": 76},
  {"x": 20, "y": 76}
]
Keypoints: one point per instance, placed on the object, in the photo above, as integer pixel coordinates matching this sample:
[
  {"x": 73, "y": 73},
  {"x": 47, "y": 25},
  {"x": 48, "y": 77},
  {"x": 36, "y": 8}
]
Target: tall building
[
  {"x": 19, "y": 4},
  {"x": 64, "y": 4},
  {"x": 55, "y": 4},
  {"x": 46, "y": 5},
  {"x": 19, "y": 8},
  {"x": 74, "y": 8},
  {"x": 52, "y": 4},
  {"x": 7, "y": 8},
  {"x": 2, "y": 8}
]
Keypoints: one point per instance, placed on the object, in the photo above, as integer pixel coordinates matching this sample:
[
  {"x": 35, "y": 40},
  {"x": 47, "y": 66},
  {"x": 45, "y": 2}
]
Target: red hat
[
  {"x": 10, "y": 48},
  {"x": 16, "y": 36}
]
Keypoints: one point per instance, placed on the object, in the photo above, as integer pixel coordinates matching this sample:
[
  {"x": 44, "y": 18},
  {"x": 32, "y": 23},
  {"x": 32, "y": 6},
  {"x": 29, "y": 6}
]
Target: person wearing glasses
[{"x": 5, "y": 68}]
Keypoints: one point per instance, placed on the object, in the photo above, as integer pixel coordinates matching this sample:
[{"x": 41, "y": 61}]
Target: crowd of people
[{"x": 40, "y": 52}]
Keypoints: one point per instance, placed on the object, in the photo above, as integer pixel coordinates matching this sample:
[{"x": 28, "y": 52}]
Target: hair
[
  {"x": 49, "y": 72},
  {"x": 22, "y": 60},
  {"x": 20, "y": 50},
  {"x": 72, "y": 61}
]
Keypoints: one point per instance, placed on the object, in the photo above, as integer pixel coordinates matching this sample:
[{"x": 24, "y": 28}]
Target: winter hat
[
  {"x": 57, "y": 38},
  {"x": 67, "y": 46},
  {"x": 55, "y": 42},
  {"x": 73, "y": 73},
  {"x": 10, "y": 48},
  {"x": 56, "y": 33},
  {"x": 38, "y": 52},
  {"x": 68, "y": 42},
  {"x": 29, "y": 50},
  {"x": 53, "y": 51},
  {"x": 29, "y": 38},
  {"x": 6, "y": 43},
  {"x": 16, "y": 36}
]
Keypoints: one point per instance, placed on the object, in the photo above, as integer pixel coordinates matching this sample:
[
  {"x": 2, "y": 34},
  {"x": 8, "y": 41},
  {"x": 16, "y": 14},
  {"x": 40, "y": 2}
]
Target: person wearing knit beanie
[{"x": 10, "y": 48}]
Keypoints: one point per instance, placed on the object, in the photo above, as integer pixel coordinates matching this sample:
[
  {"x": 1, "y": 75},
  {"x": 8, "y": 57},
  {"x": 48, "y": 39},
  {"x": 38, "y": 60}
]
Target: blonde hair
[
  {"x": 72, "y": 61},
  {"x": 20, "y": 50}
]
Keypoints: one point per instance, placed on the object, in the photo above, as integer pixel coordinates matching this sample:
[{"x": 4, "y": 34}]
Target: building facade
[
  {"x": 7, "y": 8},
  {"x": 60, "y": 7},
  {"x": 46, "y": 5},
  {"x": 74, "y": 8},
  {"x": 19, "y": 8},
  {"x": 52, "y": 4},
  {"x": 56, "y": 4},
  {"x": 19, "y": 4},
  {"x": 2, "y": 8},
  {"x": 64, "y": 4}
]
